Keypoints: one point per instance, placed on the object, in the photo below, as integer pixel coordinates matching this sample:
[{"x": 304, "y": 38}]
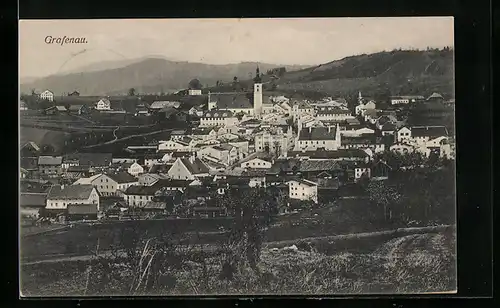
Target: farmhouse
[
  {"x": 50, "y": 165},
  {"x": 103, "y": 104},
  {"x": 47, "y": 95},
  {"x": 257, "y": 163},
  {"x": 303, "y": 190},
  {"x": 135, "y": 169},
  {"x": 188, "y": 169},
  {"x": 59, "y": 197}
]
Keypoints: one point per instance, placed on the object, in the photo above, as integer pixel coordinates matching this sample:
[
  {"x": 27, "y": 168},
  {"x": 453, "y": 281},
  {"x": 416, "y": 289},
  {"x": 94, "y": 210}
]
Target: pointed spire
[{"x": 257, "y": 78}]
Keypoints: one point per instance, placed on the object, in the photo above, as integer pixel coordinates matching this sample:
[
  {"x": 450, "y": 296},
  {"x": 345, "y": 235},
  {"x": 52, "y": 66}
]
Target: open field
[
  {"x": 415, "y": 263},
  {"x": 83, "y": 238}
]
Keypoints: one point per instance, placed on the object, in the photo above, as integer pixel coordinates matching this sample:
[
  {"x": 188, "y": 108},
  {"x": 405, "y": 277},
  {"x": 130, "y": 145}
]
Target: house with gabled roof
[
  {"x": 47, "y": 95},
  {"x": 314, "y": 138},
  {"x": 303, "y": 190},
  {"x": 50, "y": 165},
  {"x": 30, "y": 149},
  {"x": 59, "y": 197},
  {"x": 103, "y": 104},
  {"x": 225, "y": 154},
  {"x": 188, "y": 169}
]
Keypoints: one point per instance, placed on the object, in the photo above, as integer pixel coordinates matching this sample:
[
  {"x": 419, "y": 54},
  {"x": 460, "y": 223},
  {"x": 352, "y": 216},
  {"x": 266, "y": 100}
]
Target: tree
[
  {"x": 131, "y": 92},
  {"x": 195, "y": 84},
  {"x": 386, "y": 196},
  {"x": 254, "y": 210}
]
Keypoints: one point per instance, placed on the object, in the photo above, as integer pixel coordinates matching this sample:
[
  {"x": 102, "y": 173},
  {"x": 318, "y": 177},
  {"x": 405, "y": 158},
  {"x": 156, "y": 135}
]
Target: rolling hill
[
  {"x": 150, "y": 75},
  {"x": 401, "y": 72}
]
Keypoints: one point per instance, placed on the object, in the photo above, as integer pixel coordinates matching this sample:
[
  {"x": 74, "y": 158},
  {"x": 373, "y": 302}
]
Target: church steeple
[{"x": 257, "y": 78}]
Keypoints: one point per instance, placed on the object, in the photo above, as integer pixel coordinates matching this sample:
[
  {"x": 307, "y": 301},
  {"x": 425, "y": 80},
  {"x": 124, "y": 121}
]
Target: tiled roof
[
  {"x": 94, "y": 159},
  {"x": 319, "y": 165},
  {"x": 70, "y": 192},
  {"x": 155, "y": 205},
  {"x": 78, "y": 169},
  {"x": 32, "y": 145},
  {"x": 223, "y": 147},
  {"x": 49, "y": 160},
  {"x": 82, "y": 209},
  {"x": 195, "y": 167},
  {"x": 284, "y": 165},
  {"x": 61, "y": 108},
  {"x": 75, "y": 107},
  {"x": 201, "y": 131},
  {"x": 163, "y": 104},
  {"x": 435, "y": 95},
  {"x": 317, "y": 133},
  {"x": 334, "y": 111},
  {"x": 340, "y": 153},
  {"x": 32, "y": 199},
  {"x": 231, "y": 100},
  {"x": 429, "y": 131},
  {"x": 359, "y": 140},
  {"x": 218, "y": 114},
  {"x": 122, "y": 177},
  {"x": 143, "y": 190}
]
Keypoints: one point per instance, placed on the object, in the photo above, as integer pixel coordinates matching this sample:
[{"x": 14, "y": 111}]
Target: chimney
[
  {"x": 192, "y": 158},
  {"x": 329, "y": 128},
  {"x": 310, "y": 128}
]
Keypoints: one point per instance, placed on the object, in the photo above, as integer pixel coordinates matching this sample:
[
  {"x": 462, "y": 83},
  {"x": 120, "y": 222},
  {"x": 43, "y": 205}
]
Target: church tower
[
  {"x": 257, "y": 94},
  {"x": 360, "y": 98}
]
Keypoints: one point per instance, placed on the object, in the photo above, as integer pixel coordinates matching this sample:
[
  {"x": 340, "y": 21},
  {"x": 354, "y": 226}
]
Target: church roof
[{"x": 232, "y": 100}]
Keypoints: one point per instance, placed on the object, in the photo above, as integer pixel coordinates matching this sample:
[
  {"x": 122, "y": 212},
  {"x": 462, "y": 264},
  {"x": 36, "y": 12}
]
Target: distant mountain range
[
  {"x": 400, "y": 72},
  {"x": 146, "y": 75}
]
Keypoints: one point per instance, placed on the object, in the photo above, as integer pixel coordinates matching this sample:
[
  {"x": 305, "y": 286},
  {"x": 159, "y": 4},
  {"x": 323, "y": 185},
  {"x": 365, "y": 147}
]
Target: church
[{"x": 249, "y": 104}]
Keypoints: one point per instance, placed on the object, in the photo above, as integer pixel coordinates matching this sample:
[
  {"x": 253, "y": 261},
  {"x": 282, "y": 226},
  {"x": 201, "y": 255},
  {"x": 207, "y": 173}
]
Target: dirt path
[{"x": 125, "y": 138}]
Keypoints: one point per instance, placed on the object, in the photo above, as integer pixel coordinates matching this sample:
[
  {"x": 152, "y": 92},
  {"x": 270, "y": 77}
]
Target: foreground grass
[{"x": 409, "y": 264}]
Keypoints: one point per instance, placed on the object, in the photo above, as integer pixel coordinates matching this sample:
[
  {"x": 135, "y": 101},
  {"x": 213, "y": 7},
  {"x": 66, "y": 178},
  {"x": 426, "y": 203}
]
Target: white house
[
  {"x": 361, "y": 108},
  {"x": 303, "y": 190},
  {"x": 357, "y": 132},
  {"x": 421, "y": 135},
  {"x": 218, "y": 118},
  {"x": 314, "y": 138},
  {"x": 334, "y": 114},
  {"x": 135, "y": 169},
  {"x": 398, "y": 100},
  {"x": 184, "y": 144},
  {"x": 47, "y": 95},
  {"x": 194, "y": 92},
  {"x": 103, "y": 183},
  {"x": 223, "y": 154},
  {"x": 149, "y": 179},
  {"x": 403, "y": 135},
  {"x": 59, "y": 196},
  {"x": 256, "y": 163},
  {"x": 188, "y": 169},
  {"x": 103, "y": 104}
]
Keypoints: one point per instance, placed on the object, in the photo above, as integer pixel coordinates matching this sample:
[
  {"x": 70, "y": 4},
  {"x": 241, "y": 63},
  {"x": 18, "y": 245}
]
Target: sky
[{"x": 304, "y": 41}]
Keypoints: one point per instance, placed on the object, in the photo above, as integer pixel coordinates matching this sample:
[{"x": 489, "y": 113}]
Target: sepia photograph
[{"x": 242, "y": 157}]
